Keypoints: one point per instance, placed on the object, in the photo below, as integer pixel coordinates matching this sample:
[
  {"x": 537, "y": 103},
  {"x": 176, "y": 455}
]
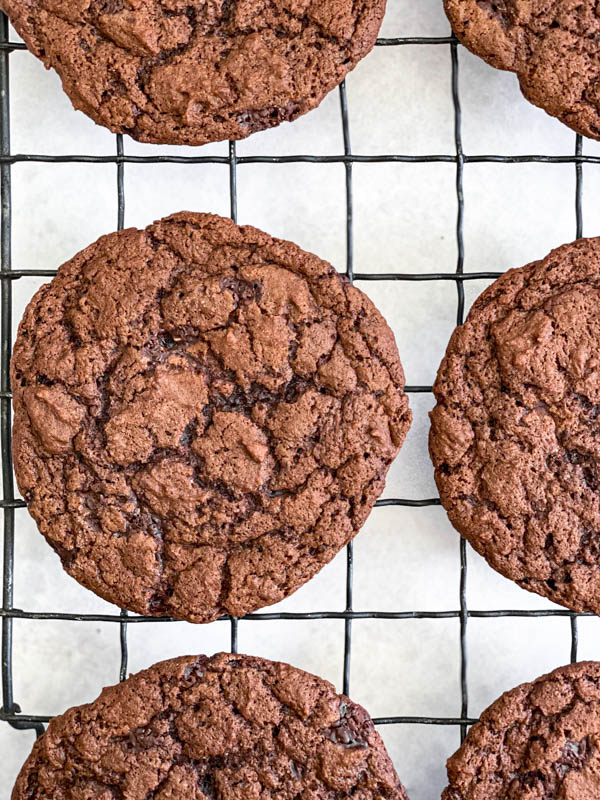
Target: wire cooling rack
[{"x": 11, "y": 711}]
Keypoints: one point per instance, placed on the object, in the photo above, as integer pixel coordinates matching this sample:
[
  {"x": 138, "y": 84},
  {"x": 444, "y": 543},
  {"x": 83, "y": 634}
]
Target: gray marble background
[{"x": 406, "y": 559}]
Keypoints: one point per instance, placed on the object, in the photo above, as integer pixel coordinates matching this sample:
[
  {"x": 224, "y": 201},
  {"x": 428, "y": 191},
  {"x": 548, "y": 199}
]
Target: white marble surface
[{"x": 406, "y": 559}]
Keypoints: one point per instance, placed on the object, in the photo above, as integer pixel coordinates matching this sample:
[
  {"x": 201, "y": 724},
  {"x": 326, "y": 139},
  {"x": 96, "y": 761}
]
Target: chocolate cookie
[
  {"x": 204, "y": 416},
  {"x": 192, "y": 71},
  {"x": 515, "y": 435},
  {"x": 218, "y": 728},
  {"x": 540, "y": 741},
  {"x": 554, "y": 48}
]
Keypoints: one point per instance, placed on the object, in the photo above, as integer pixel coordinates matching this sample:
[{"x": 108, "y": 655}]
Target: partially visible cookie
[
  {"x": 540, "y": 741},
  {"x": 204, "y": 416},
  {"x": 223, "y": 728},
  {"x": 553, "y": 47},
  {"x": 515, "y": 434},
  {"x": 192, "y": 71}
]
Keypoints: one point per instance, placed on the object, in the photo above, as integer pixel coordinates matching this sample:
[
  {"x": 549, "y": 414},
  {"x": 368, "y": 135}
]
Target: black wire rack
[{"x": 10, "y": 711}]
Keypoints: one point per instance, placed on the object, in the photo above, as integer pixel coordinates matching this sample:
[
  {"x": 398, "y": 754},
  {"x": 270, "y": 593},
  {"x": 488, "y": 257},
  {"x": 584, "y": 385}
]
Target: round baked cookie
[
  {"x": 540, "y": 741},
  {"x": 204, "y": 416},
  {"x": 194, "y": 71},
  {"x": 553, "y": 47},
  {"x": 515, "y": 434},
  {"x": 223, "y": 728}
]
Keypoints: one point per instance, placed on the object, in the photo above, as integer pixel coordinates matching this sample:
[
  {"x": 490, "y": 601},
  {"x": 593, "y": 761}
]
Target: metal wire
[{"x": 10, "y": 712}]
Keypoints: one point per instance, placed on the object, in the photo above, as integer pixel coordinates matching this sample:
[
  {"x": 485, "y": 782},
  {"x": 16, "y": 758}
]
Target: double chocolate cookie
[
  {"x": 515, "y": 435},
  {"x": 194, "y": 71},
  {"x": 222, "y": 728},
  {"x": 204, "y": 416},
  {"x": 540, "y": 741},
  {"x": 554, "y": 48}
]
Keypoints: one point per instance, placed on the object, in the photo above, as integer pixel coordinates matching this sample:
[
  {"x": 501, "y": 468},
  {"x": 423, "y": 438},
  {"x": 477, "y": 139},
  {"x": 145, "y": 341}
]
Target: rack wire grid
[{"x": 11, "y": 711}]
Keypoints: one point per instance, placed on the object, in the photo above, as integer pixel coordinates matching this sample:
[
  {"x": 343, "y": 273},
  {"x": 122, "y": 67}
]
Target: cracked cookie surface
[
  {"x": 540, "y": 741},
  {"x": 515, "y": 433},
  {"x": 552, "y": 45},
  {"x": 204, "y": 416},
  {"x": 223, "y": 728},
  {"x": 197, "y": 71}
]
